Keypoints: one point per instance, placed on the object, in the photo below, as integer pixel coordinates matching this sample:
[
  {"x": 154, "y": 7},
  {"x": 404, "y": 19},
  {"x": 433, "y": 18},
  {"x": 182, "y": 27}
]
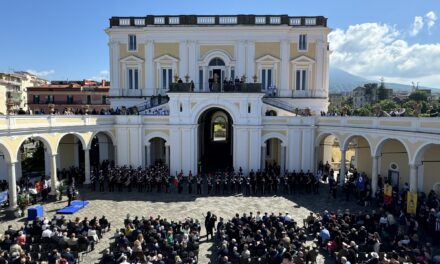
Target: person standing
[
  {"x": 70, "y": 193},
  {"x": 210, "y": 220}
]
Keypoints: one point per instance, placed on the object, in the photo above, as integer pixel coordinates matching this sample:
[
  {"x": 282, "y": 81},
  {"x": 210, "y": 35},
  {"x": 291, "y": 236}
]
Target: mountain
[{"x": 342, "y": 81}]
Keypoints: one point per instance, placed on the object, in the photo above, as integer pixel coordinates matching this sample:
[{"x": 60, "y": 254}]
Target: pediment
[
  {"x": 132, "y": 58},
  {"x": 303, "y": 59},
  {"x": 268, "y": 58},
  {"x": 166, "y": 57}
]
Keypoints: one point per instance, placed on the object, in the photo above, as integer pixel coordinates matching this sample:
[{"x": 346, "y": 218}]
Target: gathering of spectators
[
  {"x": 155, "y": 240},
  {"x": 56, "y": 240}
]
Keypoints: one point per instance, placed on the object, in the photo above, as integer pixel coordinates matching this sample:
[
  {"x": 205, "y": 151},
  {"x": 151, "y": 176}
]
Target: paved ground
[{"x": 115, "y": 206}]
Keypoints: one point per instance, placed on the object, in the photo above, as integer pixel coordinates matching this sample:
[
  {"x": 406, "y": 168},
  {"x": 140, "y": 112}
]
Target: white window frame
[
  {"x": 136, "y": 86},
  {"x": 167, "y": 78},
  {"x": 302, "y": 63},
  {"x": 266, "y": 69},
  {"x": 165, "y": 62},
  {"x": 303, "y": 85},
  {"x": 132, "y": 62},
  {"x": 299, "y": 43},
  {"x": 268, "y": 62},
  {"x": 129, "y": 40}
]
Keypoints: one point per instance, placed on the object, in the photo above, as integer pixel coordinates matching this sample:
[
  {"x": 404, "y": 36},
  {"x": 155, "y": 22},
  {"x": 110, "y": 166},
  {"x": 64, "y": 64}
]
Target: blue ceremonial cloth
[
  {"x": 34, "y": 212},
  {"x": 3, "y": 197},
  {"x": 74, "y": 207}
]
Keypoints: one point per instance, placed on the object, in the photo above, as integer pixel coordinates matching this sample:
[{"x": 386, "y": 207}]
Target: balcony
[{"x": 217, "y": 88}]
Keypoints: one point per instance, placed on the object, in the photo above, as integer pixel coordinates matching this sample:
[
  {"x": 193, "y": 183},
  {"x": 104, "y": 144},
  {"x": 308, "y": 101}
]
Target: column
[
  {"x": 149, "y": 68},
  {"x": 282, "y": 159},
  {"x": 87, "y": 165},
  {"x": 250, "y": 61},
  {"x": 413, "y": 177},
  {"x": 374, "y": 175},
  {"x": 46, "y": 162},
  {"x": 12, "y": 187},
  {"x": 192, "y": 62},
  {"x": 284, "y": 73},
  {"x": 183, "y": 62},
  {"x": 342, "y": 172},
  {"x": 241, "y": 57},
  {"x": 114, "y": 68},
  {"x": 53, "y": 174},
  {"x": 319, "y": 70},
  {"x": 263, "y": 156},
  {"x": 167, "y": 154},
  {"x": 148, "y": 154}
]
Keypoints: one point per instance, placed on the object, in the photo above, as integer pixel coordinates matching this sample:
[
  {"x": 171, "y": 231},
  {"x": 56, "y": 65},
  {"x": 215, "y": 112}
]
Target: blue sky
[{"x": 61, "y": 39}]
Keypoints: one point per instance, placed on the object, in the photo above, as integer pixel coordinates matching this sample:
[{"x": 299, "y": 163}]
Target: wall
[
  {"x": 394, "y": 151},
  {"x": 364, "y": 162},
  {"x": 171, "y": 49},
  {"x": 267, "y": 48},
  {"x": 204, "y": 49},
  {"x": 66, "y": 150},
  {"x": 431, "y": 168}
]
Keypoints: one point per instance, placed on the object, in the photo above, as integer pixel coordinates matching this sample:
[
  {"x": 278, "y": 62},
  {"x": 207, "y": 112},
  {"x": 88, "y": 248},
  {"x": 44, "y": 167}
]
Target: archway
[
  {"x": 328, "y": 155},
  {"x": 70, "y": 158},
  {"x": 273, "y": 156},
  {"x": 158, "y": 151},
  {"x": 102, "y": 151},
  {"x": 215, "y": 137},
  {"x": 394, "y": 162},
  {"x": 358, "y": 150},
  {"x": 427, "y": 160}
]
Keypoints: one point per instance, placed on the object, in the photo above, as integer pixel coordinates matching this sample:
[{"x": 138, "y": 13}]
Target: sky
[{"x": 398, "y": 40}]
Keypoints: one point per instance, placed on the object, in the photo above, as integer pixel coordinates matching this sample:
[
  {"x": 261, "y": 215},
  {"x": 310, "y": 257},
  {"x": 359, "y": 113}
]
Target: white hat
[{"x": 374, "y": 255}]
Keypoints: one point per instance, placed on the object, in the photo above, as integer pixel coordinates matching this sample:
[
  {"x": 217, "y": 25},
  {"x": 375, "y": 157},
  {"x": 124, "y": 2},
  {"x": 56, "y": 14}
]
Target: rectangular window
[
  {"x": 167, "y": 78},
  {"x": 89, "y": 99},
  {"x": 36, "y": 99},
  {"x": 303, "y": 42},
  {"x": 133, "y": 78},
  {"x": 50, "y": 99},
  {"x": 266, "y": 78},
  {"x": 232, "y": 74},
  {"x": 69, "y": 99},
  {"x": 104, "y": 100},
  {"x": 301, "y": 80},
  {"x": 132, "y": 46}
]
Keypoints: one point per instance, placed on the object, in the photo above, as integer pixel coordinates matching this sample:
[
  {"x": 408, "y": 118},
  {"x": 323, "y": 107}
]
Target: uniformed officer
[{"x": 199, "y": 184}]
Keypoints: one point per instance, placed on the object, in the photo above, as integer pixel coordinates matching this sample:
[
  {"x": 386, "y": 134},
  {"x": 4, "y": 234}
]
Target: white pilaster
[
  {"x": 413, "y": 177},
  {"x": 87, "y": 165},
  {"x": 241, "y": 59},
  {"x": 282, "y": 158},
  {"x": 294, "y": 152},
  {"x": 149, "y": 68},
  {"x": 250, "y": 60},
  {"x": 53, "y": 174},
  {"x": 254, "y": 148},
  {"x": 192, "y": 62},
  {"x": 319, "y": 86},
  {"x": 183, "y": 59},
  {"x": 114, "y": 69},
  {"x": 12, "y": 181},
  {"x": 284, "y": 73},
  {"x": 46, "y": 162}
]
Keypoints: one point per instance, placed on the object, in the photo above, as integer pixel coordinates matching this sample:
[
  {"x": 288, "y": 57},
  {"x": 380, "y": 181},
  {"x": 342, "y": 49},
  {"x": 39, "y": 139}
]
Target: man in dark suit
[{"x": 69, "y": 256}]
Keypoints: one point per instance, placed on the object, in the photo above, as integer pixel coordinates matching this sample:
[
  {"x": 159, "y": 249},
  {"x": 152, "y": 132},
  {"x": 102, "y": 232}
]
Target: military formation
[{"x": 229, "y": 182}]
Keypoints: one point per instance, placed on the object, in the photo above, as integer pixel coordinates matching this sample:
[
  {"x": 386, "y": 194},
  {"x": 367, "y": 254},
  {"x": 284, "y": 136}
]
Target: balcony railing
[{"x": 217, "y": 88}]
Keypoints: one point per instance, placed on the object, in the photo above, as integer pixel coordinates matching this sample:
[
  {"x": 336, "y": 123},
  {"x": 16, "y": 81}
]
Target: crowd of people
[
  {"x": 155, "y": 240},
  {"x": 56, "y": 240}
]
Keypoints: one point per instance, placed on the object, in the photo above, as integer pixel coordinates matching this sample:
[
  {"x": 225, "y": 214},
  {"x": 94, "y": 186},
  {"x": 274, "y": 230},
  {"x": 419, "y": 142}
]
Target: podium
[{"x": 35, "y": 212}]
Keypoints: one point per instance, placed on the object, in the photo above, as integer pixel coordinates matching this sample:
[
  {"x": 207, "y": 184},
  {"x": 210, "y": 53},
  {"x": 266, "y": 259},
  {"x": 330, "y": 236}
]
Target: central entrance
[{"x": 215, "y": 140}]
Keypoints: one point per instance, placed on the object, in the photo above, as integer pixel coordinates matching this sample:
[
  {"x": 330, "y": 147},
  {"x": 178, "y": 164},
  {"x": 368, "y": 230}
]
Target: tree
[
  {"x": 418, "y": 96},
  {"x": 363, "y": 111},
  {"x": 388, "y": 105},
  {"x": 382, "y": 93}
]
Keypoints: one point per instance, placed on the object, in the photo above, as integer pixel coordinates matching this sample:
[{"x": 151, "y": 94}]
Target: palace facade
[{"x": 211, "y": 92}]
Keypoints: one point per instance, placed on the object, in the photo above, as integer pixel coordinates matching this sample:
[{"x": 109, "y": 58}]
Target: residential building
[
  {"x": 69, "y": 95},
  {"x": 368, "y": 94}
]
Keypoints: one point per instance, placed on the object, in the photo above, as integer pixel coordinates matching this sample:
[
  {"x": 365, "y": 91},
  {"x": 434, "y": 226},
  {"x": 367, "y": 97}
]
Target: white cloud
[
  {"x": 42, "y": 74},
  {"x": 416, "y": 26},
  {"x": 431, "y": 18},
  {"x": 103, "y": 75},
  {"x": 371, "y": 50}
]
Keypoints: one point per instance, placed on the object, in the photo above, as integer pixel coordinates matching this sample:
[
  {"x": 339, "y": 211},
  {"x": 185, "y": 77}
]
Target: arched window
[
  {"x": 216, "y": 62},
  {"x": 271, "y": 113},
  {"x": 219, "y": 128}
]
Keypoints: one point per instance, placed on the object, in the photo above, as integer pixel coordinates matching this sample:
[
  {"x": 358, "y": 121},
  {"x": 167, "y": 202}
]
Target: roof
[{"x": 215, "y": 20}]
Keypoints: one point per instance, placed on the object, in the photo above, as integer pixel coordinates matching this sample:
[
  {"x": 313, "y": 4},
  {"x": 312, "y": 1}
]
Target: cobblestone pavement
[{"x": 115, "y": 206}]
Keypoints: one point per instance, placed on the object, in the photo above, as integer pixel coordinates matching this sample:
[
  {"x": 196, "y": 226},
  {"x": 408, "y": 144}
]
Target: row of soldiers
[{"x": 156, "y": 178}]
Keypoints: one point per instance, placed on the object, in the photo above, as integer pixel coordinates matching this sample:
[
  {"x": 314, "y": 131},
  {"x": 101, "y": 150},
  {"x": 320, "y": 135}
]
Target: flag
[
  {"x": 411, "y": 205},
  {"x": 387, "y": 194}
]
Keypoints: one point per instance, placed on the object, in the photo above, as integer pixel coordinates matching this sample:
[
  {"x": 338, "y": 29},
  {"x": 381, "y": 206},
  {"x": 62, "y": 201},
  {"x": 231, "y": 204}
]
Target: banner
[
  {"x": 411, "y": 205},
  {"x": 387, "y": 194},
  {"x": 3, "y": 197}
]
